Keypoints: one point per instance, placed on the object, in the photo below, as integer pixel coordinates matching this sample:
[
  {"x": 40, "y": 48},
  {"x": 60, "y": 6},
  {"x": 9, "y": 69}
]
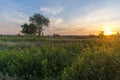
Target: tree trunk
[{"x": 39, "y": 31}]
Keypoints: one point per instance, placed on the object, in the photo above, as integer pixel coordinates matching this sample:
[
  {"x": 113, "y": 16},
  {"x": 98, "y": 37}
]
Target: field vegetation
[{"x": 59, "y": 58}]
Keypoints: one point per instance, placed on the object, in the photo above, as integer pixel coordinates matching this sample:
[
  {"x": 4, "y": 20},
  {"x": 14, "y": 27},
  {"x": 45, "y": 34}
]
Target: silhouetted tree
[
  {"x": 29, "y": 29},
  {"x": 56, "y": 35},
  {"x": 101, "y": 34},
  {"x": 40, "y": 21},
  {"x": 118, "y": 33}
]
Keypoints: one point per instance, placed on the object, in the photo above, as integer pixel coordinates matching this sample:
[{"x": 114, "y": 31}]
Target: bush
[{"x": 89, "y": 59}]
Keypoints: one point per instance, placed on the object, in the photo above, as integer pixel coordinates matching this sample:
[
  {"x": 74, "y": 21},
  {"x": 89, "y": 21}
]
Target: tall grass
[{"x": 60, "y": 59}]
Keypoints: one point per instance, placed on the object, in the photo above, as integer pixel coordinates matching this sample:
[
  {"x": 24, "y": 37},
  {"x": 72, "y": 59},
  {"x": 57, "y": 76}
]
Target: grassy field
[{"x": 59, "y": 58}]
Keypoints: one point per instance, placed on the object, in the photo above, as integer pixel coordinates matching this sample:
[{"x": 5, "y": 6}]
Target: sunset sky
[{"x": 68, "y": 17}]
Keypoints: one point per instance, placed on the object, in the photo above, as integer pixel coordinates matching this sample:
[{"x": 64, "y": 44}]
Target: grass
[{"x": 60, "y": 58}]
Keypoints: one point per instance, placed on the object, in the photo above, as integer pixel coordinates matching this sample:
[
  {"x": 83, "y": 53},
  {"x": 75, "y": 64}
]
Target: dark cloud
[{"x": 82, "y": 29}]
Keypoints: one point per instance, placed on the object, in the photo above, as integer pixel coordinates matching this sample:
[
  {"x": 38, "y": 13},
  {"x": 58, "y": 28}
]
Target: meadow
[{"x": 59, "y": 58}]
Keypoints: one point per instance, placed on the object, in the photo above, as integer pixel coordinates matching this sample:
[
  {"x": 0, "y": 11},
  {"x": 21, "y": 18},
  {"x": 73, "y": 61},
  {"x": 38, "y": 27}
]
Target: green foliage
[
  {"x": 65, "y": 58},
  {"x": 37, "y": 22},
  {"x": 6, "y": 77},
  {"x": 40, "y": 21},
  {"x": 29, "y": 29}
]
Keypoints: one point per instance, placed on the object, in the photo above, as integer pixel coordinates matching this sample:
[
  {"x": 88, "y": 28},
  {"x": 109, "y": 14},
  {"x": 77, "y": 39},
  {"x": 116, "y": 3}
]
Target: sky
[{"x": 67, "y": 17}]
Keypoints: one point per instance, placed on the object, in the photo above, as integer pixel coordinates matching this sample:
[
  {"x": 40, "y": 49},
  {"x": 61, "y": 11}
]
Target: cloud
[
  {"x": 10, "y": 22},
  {"x": 15, "y": 17},
  {"x": 57, "y": 25},
  {"x": 51, "y": 10},
  {"x": 90, "y": 23},
  {"x": 82, "y": 29},
  {"x": 94, "y": 20},
  {"x": 56, "y": 21}
]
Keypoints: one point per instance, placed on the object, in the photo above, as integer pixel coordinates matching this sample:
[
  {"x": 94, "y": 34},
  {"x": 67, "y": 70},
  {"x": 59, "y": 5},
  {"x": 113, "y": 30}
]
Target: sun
[{"x": 108, "y": 31}]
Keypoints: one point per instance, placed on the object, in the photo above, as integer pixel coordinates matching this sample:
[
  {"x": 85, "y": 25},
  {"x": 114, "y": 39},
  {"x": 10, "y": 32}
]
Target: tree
[
  {"x": 29, "y": 29},
  {"x": 40, "y": 21},
  {"x": 101, "y": 34}
]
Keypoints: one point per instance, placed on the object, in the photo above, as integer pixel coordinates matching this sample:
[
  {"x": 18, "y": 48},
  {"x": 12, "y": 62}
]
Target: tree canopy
[
  {"x": 40, "y": 21},
  {"x": 37, "y": 24},
  {"x": 29, "y": 28}
]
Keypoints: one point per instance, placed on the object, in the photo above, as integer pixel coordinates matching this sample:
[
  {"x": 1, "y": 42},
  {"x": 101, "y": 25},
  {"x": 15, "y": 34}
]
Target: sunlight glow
[{"x": 108, "y": 31}]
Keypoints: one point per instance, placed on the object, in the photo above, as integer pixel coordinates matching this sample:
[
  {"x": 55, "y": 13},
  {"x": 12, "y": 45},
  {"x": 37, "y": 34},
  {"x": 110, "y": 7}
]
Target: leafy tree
[
  {"x": 40, "y": 21},
  {"x": 29, "y": 28}
]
